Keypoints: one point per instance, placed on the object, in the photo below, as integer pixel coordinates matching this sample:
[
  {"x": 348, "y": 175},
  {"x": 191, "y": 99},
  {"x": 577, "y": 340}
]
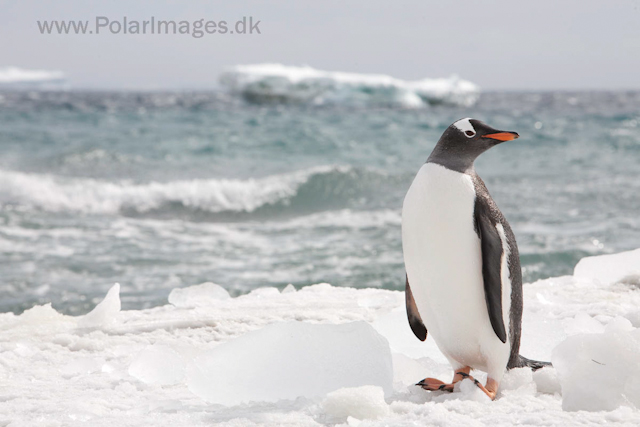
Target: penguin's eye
[{"x": 469, "y": 133}]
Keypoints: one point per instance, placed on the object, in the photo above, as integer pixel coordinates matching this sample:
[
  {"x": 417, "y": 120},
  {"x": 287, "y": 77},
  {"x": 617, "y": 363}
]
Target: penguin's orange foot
[
  {"x": 490, "y": 390},
  {"x": 432, "y": 384}
]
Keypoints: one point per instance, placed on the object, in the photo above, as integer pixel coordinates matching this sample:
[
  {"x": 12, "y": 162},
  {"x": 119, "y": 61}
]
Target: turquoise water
[{"x": 162, "y": 190}]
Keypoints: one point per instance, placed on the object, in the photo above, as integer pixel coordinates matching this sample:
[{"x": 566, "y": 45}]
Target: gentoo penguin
[{"x": 463, "y": 281}]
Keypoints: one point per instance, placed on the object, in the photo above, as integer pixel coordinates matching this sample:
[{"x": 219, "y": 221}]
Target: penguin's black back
[{"x": 515, "y": 273}]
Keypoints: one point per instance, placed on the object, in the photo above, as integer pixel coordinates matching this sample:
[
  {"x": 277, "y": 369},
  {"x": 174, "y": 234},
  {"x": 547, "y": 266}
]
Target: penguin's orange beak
[{"x": 502, "y": 136}]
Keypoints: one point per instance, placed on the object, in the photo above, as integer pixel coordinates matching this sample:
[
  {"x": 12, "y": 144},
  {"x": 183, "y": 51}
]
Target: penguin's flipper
[
  {"x": 492, "y": 251},
  {"x": 415, "y": 321}
]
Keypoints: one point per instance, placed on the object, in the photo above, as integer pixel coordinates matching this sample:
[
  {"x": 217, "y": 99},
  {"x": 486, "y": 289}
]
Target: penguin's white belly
[{"x": 443, "y": 258}]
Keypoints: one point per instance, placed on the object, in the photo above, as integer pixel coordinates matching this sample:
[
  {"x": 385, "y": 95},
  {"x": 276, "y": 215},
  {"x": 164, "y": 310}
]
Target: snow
[
  {"x": 360, "y": 403},
  {"x": 281, "y": 83},
  {"x": 547, "y": 381},
  {"x": 320, "y": 355}
]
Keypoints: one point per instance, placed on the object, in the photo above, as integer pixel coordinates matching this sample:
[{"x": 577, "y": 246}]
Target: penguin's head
[{"x": 464, "y": 141}]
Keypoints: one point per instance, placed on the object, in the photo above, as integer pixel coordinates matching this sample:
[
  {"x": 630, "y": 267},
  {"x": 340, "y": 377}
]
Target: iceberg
[
  {"x": 290, "y": 84},
  {"x": 19, "y": 78}
]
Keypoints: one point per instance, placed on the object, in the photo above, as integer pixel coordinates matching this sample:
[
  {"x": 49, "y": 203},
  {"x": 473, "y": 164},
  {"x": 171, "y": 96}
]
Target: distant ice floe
[
  {"x": 321, "y": 355},
  {"x": 18, "y": 78},
  {"x": 283, "y": 84}
]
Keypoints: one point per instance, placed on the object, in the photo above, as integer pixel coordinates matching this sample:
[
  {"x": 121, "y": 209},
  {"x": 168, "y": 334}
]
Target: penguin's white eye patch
[{"x": 465, "y": 126}]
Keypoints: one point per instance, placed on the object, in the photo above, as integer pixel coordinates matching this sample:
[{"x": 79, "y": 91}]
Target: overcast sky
[{"x": 589, "y": 44}]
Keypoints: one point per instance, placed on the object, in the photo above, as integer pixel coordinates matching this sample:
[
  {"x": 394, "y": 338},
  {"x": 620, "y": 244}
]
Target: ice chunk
[
  {"x": 362, "y": 403},
  {"x": 41, "y": 314},
  {"x": 407, "y": 371},
  {"x": 394, "y": 326},
  {"x": 198, "y": 295},
  {"x": 158, "y": 365},
  {"x": 105, "y": 312},
  {"x": 609, "y": 269},
  {"x": 583, "y": 324},
  {"x": 291, "y": 359},
  {"x": 547, "y": 380},
  {"x": 619, "y": 324},
  {"x": 281, "y": 83},
  {"x": 289, "y": 289},
  {"x": 264, "y": 292},
  {"x": 519, "y": 381},
  {"x": 634, "y": 318},
  {"x": 599, "y": 372}
]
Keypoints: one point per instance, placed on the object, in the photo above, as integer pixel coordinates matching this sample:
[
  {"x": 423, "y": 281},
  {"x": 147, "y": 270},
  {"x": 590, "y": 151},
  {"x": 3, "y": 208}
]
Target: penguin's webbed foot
[
  {"x": 433, "y": 384},
  {"x": 490, "y": 390}
]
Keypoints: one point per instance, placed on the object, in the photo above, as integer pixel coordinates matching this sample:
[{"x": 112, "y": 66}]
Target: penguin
[{"x": 463, "y": 277}]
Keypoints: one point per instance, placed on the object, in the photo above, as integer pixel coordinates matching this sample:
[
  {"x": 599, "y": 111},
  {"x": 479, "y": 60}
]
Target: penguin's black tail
[{"x": 523, "y": 362}]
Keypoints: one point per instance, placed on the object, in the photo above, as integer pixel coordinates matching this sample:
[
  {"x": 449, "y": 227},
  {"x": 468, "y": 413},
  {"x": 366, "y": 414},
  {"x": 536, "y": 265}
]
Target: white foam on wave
[
  {"x": 277, "y": 82},
  {"x": 57, "y": 194}
]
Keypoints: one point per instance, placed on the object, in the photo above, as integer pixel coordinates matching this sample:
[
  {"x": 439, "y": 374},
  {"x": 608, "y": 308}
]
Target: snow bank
[
  {"x": 318, "y": 356},
  {"x": 281, "y": 83},
  {"x": 292, "y": 359},
  {"x": 623, "y": 267}
]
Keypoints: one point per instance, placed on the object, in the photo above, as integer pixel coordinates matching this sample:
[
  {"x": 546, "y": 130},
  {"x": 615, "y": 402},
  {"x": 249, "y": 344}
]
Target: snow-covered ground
[
  {"x": 321, "y": 355},
  {"x": 282, "y": 83}
]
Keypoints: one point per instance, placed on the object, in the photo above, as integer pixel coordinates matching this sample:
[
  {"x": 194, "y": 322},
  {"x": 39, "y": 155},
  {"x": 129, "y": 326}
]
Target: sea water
[{"x": 157, "y": 191}]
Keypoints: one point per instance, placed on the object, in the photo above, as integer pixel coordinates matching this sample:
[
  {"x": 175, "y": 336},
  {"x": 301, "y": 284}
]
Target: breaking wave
[
  {"x": 281, "y": 83},
  {"x": 309, "y": 190}
]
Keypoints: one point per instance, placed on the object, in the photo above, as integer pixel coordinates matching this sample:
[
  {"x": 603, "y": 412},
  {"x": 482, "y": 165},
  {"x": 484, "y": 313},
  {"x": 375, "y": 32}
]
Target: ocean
[{"x": 164, "y": 190}]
